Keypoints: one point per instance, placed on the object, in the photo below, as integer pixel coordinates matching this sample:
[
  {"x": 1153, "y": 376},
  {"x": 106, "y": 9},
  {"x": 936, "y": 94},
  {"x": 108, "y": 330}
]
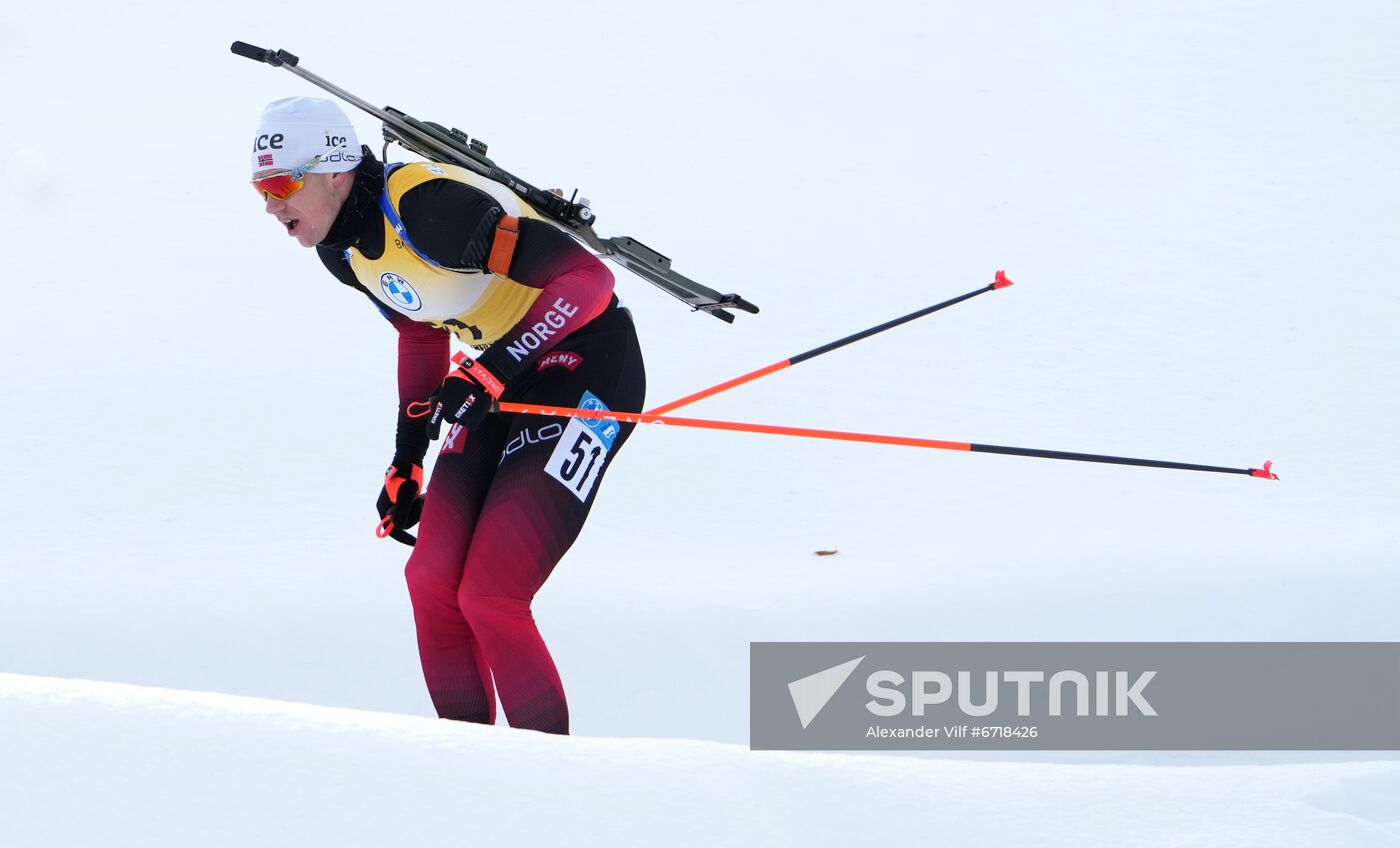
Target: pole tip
[
  {"x": 1001, "y": 281},
  {"x": 1266, "y": 472}
]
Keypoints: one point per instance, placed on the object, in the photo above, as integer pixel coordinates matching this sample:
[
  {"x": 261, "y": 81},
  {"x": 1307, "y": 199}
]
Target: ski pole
[
  {"x": 839, "y": 435},
  {"x": 1000, "y": 282}
]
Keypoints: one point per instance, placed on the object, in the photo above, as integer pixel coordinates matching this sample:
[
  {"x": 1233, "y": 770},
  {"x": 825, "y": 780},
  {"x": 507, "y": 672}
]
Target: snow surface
[
  {"x": 1196, "y": 200},
  {"x": 165, "y": 767}
]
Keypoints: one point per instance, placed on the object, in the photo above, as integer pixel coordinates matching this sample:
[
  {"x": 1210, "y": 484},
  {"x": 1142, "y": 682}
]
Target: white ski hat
[{"x": 294, "y": 130}]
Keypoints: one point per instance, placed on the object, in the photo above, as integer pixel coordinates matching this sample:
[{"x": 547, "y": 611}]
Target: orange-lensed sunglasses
[{"x": 283, "y": 184}]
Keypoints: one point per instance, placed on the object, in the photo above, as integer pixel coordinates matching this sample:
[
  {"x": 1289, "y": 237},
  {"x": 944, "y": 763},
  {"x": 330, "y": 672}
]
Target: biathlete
[{"x": 442, "y": 251}]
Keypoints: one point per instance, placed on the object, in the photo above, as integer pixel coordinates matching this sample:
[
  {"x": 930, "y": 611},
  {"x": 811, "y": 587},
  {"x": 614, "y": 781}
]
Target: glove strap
[{"x": 478, "y": 372}]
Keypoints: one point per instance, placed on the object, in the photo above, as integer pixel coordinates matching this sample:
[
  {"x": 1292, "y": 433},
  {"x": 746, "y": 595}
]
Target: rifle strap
[{"x": 503, "y": 245}]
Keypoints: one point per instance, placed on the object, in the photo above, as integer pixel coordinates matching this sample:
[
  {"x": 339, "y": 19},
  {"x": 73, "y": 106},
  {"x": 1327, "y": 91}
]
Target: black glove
[
  {"x": 400, "y": 501},
  {"x": 464, "y": 397}
]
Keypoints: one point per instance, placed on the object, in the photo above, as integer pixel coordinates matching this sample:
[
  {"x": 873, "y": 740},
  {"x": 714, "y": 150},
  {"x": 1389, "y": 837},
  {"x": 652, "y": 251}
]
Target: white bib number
[
  {"x": 578, "y": 459},
  {"x": 582, "y": 450}
]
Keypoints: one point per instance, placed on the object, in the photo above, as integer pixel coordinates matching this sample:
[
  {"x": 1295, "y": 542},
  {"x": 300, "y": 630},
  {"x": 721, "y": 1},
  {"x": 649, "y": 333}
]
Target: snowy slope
[
  {"x": 1195, "y": 199},
  {"x": 167, "y": 767}
]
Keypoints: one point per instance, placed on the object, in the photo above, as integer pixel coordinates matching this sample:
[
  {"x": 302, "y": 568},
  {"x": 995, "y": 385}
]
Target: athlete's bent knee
[
  {"x": 429, "y": 580},
  {"x": 491, "y": 611}
]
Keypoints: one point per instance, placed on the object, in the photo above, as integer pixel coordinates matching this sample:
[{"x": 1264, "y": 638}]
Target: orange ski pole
[{"x": 839, "y": 435}]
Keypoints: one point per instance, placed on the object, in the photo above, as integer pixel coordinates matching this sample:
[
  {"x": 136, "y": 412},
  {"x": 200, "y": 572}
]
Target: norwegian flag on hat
[{"x": 264, "y": 160}]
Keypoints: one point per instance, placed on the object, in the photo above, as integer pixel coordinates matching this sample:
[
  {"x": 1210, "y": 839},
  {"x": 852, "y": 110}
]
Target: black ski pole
[{"x": 1000, "y": 282}]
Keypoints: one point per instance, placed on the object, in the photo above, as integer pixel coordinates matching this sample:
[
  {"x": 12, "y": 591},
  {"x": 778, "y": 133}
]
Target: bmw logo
[{"x": 400, "y": 293}]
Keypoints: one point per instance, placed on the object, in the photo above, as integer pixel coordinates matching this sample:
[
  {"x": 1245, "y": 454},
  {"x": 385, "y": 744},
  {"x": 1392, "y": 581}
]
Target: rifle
[{"x": 441, "y": 144}]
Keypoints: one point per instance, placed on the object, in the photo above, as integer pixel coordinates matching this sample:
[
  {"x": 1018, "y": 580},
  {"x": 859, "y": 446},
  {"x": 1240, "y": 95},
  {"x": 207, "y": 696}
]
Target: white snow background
[{"x": 1197, "y": 201}]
